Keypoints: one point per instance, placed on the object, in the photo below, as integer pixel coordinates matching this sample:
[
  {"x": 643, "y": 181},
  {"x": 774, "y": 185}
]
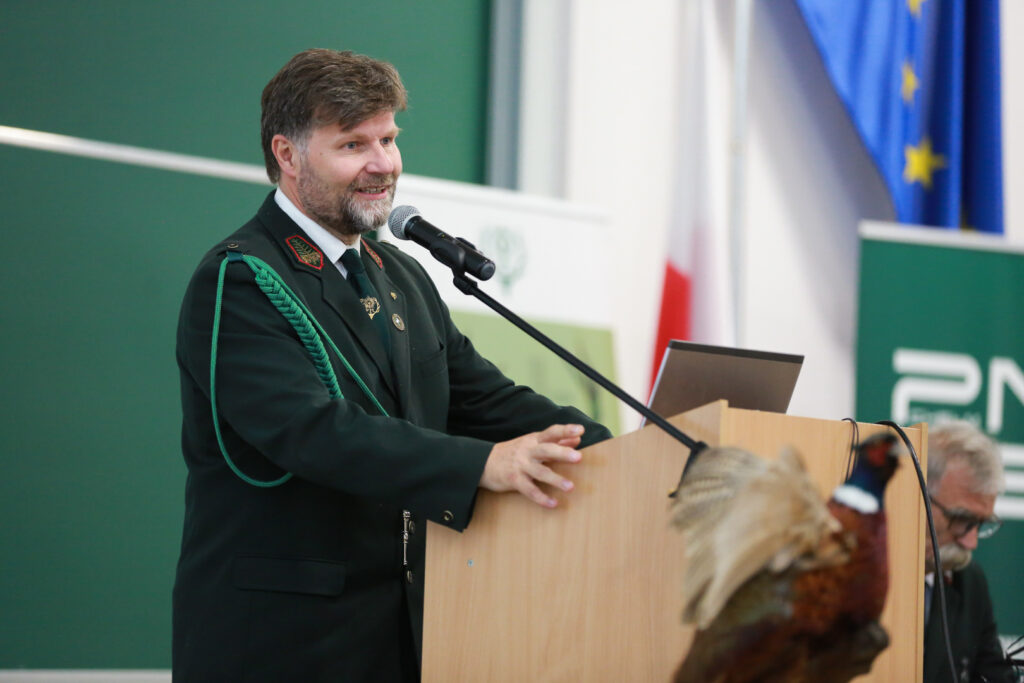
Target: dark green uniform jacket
[
  {"x": 972, "y": 633},
  {"x": 306, "y": 581}
]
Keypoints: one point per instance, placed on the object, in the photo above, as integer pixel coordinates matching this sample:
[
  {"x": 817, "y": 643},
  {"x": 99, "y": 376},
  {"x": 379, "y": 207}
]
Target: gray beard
[
  {"x": 341, "y": 216},
  {"x": 953, "y": 557}
]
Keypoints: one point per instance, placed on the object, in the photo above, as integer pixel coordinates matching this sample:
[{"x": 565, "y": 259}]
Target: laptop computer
[{"x": 692, "y": 375}]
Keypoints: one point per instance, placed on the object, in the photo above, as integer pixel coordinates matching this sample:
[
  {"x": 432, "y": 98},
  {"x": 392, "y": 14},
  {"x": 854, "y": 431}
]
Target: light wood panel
[{"x": 590, "y": 591}]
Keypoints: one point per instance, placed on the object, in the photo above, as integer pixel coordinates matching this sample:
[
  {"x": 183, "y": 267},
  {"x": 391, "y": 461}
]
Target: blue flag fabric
[{"x": 921, "y": 81}]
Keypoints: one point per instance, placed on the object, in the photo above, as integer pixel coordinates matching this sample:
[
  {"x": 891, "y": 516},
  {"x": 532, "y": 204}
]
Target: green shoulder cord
[{"x": 306, "y": 326}]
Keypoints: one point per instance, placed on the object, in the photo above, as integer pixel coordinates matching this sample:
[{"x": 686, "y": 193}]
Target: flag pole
[{"x": 737, "y": 164}]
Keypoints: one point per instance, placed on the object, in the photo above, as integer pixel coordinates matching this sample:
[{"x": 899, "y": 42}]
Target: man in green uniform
[{"x": 315, "y": 459}]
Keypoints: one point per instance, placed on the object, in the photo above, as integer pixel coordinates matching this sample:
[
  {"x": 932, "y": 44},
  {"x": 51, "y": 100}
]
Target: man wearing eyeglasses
[{"x": 965, "y": 474}]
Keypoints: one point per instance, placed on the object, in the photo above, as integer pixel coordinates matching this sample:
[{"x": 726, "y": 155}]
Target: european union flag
[{"x": 920, "y": 79}]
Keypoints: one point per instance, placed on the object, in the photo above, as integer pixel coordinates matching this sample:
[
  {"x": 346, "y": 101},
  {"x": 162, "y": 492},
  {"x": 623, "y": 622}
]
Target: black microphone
[{"x": 406, "y": 223}]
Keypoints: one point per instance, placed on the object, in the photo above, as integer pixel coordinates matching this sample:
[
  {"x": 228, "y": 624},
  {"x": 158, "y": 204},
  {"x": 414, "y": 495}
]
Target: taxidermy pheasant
[{"x": 781, "y": 585}]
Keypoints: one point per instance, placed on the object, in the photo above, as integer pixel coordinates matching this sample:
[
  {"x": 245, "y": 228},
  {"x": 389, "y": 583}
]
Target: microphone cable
[
  {"x": 939, "y": 579},
  {"x": 854, "y": 440}
]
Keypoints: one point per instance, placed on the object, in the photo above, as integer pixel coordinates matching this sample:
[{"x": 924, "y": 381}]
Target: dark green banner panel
[
  {"x": 95, "y": 261},
  {"x": 187, "y": 76},
  {"x": 941, "y": 336}
]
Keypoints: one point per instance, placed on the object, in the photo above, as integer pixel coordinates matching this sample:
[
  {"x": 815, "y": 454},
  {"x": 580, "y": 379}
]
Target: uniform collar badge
[
  {"x": 306, "y": 252},
  {"x": 373, "y": 255}
]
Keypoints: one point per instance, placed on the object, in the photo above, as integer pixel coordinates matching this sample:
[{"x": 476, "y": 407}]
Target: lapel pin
[{"x": 399, "y": 323}]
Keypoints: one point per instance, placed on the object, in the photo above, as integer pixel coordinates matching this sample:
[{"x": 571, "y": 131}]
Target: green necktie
[{"x": 367, "y": 294}]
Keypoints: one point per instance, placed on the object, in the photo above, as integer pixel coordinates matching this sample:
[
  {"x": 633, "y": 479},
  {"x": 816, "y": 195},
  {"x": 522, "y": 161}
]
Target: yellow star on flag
[
  {"x": 910, "y": 83},
  {"x": 921, "y": 162},
  {"x": 915, "y": 7}
]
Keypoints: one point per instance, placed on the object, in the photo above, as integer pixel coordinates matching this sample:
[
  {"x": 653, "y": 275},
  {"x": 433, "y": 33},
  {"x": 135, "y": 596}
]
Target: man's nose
[
  {"x": 381, "y": 161},
  {"x": 970, "y": 539}
]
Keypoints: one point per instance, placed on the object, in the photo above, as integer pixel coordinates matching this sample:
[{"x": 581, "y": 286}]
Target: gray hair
[{"x": 960, "y": 440}]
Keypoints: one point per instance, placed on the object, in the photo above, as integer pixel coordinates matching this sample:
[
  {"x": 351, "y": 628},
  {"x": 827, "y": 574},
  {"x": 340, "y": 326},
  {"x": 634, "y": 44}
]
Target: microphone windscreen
[{"x": 398, "y": 219}]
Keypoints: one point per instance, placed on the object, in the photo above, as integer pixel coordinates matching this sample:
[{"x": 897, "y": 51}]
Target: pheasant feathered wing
[{"x": 740, "y": 514}]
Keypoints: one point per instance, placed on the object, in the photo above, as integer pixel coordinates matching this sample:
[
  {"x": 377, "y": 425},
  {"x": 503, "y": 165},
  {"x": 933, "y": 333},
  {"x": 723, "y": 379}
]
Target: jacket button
[
  {"x": 409, "y": 576},
  {"x": 447, "y": 516}
]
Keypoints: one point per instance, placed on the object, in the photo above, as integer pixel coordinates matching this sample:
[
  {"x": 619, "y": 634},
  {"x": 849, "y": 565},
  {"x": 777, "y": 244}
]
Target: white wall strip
[
  {"x": 251, "y": 173},
  {"x": 85, "y": 676},
  {"x": 139, "y": 156},
  {"x": 939, "y": 237}
]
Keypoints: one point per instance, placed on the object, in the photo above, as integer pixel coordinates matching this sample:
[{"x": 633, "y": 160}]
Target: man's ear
[{"x": 287, "y": 154}]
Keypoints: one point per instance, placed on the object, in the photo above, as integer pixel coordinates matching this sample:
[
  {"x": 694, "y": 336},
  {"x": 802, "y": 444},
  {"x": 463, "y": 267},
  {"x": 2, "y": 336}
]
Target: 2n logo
[{"x": 953, "y": 379}]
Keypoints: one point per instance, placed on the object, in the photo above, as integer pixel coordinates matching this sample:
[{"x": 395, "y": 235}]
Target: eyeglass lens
[{"x": 961, "y": 523}]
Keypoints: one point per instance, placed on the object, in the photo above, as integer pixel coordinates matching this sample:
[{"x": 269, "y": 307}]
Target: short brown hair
[{"x": 318, "y": 87}]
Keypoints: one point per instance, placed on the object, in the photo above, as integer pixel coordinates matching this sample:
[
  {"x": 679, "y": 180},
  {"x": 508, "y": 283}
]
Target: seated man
[{"x": 965, "y": 474}]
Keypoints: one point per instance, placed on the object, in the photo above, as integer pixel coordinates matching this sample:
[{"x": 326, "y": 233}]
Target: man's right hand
[{"x": 518, "y": 465}]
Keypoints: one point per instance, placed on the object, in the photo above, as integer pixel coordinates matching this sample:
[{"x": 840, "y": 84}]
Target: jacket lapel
[
  {"x": 342, "y": 298},
  {"x": 394, "y": 307},
  {"x": 935, "y": 652}
]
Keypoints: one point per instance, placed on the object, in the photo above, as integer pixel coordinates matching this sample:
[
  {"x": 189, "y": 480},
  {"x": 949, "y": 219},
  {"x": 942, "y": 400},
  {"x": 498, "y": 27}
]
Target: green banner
[
  {"x": 941, "y": 336},
  {"x": 527, "y": 362}
]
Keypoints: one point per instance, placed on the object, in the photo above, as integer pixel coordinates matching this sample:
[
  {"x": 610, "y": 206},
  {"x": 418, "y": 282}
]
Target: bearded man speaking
[{"x": 331, "y": 407}]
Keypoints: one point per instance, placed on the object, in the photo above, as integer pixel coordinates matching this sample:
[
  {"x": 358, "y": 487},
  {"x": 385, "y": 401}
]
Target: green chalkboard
[
  {"x": 187, "y": 76},
  {"x": 96, "y": 256}
]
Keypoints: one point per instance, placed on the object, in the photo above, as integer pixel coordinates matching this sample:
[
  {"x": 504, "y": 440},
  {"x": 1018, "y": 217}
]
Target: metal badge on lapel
[
  {"x": 306, "y": 252},
  {"x": 366, "y": 292},
  {"x": 371, "y": 305},
  {"x": 399, "y": 323}
]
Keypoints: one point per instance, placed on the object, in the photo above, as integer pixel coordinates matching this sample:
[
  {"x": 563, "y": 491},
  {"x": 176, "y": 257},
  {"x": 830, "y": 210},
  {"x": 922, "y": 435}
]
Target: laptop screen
[{"x": 692, "y": 375}]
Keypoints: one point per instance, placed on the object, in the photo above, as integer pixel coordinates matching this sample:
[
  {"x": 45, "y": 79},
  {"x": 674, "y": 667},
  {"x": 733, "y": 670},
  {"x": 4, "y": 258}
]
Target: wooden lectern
[{"x": 591, "y": 591}]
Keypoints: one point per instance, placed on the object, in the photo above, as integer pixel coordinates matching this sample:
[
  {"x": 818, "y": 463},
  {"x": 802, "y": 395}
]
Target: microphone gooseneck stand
[{"x": 470, "y": 287}]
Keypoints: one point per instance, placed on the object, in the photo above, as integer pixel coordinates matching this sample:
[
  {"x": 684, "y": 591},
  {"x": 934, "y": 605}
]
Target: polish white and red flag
[{"x": 696, "y": 302}]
